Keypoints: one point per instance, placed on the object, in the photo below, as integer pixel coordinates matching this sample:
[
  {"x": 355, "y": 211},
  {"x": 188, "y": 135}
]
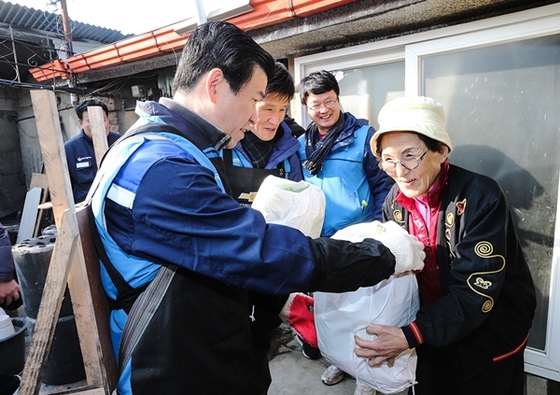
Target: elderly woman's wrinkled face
[{"x": 407, "y": 160}]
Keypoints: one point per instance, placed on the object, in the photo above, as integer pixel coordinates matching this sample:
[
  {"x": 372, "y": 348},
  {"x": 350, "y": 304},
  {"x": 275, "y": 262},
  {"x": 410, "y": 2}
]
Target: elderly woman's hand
[{"x": 390, "y": 342}]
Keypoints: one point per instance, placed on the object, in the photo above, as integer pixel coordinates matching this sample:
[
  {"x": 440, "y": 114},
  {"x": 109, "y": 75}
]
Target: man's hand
[
  {"x": 408, "y": 251},
  {"x": 9, "y": 292},
  {"x": 390, "y": 342}
]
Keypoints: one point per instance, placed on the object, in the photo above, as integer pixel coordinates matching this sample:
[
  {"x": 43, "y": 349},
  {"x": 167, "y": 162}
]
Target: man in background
[{"x": 80, "y": 153}]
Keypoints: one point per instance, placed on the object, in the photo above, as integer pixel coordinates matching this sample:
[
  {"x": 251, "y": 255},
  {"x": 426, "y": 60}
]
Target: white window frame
[{"x": 537, "y": 22}]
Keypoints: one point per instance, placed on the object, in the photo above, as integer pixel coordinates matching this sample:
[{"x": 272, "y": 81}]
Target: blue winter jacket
[
  {"x": 82, "y": 164},
  {"x": 7, "y": 267},
  {"x": 354, "y": 185}
]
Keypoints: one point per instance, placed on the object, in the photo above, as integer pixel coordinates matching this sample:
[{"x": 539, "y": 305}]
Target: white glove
[{"x": 409, "y": 252}]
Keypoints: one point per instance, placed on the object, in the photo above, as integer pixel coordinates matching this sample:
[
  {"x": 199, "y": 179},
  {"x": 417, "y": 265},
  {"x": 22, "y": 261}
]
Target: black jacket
[{"x": 489, "y": 297}]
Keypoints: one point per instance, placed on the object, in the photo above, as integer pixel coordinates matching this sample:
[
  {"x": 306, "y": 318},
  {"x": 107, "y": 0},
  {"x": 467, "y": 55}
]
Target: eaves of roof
[{"x": 165, "y": 40}]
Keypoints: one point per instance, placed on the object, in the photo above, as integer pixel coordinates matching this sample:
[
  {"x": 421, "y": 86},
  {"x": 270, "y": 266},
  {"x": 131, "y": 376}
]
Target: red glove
[{"x": 296, "y": 313}]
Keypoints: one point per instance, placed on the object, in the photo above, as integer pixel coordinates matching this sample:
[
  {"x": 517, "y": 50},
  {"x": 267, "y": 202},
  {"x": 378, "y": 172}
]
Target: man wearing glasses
[{"x": 335, "y": 156}]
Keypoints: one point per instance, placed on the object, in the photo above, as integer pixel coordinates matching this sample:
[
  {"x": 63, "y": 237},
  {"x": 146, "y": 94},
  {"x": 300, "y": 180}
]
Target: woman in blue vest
[{"x": 336, "y": 157}]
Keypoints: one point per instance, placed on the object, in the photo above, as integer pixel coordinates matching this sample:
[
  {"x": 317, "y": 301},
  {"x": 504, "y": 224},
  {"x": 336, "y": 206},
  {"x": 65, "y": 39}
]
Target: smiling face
[
  {"x": 396, "y": 146},
  {"x": 270, "y": 113},
  {"x": 324, "y": 110}
]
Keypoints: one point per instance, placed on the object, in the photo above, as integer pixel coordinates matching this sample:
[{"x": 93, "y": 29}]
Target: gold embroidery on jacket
[
  {"x": 484, "y": 249},
  {"x": 479, "y": 282},
  {"x": 397, "y": 214},
  {"x": 449, "y": 220},
  {"x": 451, "y": 253},
  {"x": 461, "y": 206}
]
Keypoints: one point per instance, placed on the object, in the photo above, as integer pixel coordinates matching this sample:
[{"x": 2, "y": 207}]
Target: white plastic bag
[
  {"x": 338, "y": 317},
  {"x": 300, "y": 205},
  {"x": 408, "y": 251}
]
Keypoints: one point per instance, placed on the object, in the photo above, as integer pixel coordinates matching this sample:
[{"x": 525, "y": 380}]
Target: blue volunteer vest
[
  {"x": 344, "y": 182},
  {"x": 136, "y": 271}
]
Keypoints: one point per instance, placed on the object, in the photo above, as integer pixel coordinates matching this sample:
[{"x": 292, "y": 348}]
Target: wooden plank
[
  {"x": 98, "y": 132},
  {"x": 52, "y": 148},
  {"x": 49, "y": 309},
  {"x": 78, "y": 391},
  {"x": 29, "y": 214},
  {"x": 89, "y": 300},
  {"x": 40, "y": 180}
]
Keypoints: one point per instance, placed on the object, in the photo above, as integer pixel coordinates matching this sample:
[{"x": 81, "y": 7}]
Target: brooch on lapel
[{"x": 461, "y": 206}]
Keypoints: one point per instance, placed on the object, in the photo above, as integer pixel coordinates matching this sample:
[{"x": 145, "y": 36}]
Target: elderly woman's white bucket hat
[{"x": 418, "y": 114}]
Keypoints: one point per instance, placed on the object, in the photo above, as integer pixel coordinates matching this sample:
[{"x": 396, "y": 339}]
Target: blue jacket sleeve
[
  {"x": 181, "y": 216},
  {"x": 7, "y": 269},
  {"x": 379, "y": 182}
]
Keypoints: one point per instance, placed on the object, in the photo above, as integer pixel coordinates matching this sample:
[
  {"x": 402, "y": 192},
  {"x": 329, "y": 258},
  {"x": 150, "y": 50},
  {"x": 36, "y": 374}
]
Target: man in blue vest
[{"x": 161, "y": 199}]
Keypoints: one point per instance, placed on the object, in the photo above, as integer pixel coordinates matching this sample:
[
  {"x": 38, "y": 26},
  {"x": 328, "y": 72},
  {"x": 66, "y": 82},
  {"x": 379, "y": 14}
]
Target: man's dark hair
[
  {"x": 221, "y": 45},
  {"x": 90, "y": 103},
  {"x": 317, "y": 83},
  {"x": 282, "y": 83}
]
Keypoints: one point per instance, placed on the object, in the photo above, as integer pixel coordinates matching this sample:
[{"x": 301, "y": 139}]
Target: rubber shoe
[
  {"x": 332, "y": 375},
  {"x": 308, "y": 350},
  {"x": 363, "y": 389}
]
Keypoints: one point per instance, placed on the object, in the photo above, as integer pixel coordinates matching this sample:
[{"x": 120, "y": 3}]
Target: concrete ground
[{"x": 293, "y": 374}]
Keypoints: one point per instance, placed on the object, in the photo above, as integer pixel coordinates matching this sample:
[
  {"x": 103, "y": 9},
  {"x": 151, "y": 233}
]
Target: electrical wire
[{"x": 26, "y": 85}]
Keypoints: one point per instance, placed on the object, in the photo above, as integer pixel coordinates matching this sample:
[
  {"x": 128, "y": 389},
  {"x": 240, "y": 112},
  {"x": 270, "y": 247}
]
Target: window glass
[
  {"x": 363, "y": 91},
  {"x": 503, "y": 115}
]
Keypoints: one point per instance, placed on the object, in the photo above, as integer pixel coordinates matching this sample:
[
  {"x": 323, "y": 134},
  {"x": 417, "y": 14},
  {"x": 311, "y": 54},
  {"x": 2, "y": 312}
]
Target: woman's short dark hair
[
  {"x": 317, "y": 83},
  {"x": 282, "y": 83},
  {"x": 222, "y": 45},
  {"x": 430, "y": 143},
  {"x": 80, "y": 108}
]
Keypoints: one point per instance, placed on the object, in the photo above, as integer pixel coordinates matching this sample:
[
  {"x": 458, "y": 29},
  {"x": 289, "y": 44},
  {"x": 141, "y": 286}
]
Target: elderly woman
[{"x": 476, "y": 290}]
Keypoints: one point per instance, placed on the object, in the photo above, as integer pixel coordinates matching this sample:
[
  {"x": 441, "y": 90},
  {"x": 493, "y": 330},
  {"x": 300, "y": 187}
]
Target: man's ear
[{"x": 215, "y": 84}]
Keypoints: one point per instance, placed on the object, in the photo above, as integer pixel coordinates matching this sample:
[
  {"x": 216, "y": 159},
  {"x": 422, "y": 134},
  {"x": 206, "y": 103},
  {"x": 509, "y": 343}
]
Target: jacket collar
[{"x": 217, "y": 139}]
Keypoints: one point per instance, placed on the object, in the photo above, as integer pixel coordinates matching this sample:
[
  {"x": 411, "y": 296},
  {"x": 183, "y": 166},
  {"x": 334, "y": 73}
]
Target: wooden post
[
  {"x": 74, "y": 262},
  {"x": 98, "y": 133},
  {"x": 40, "y": 180}
]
